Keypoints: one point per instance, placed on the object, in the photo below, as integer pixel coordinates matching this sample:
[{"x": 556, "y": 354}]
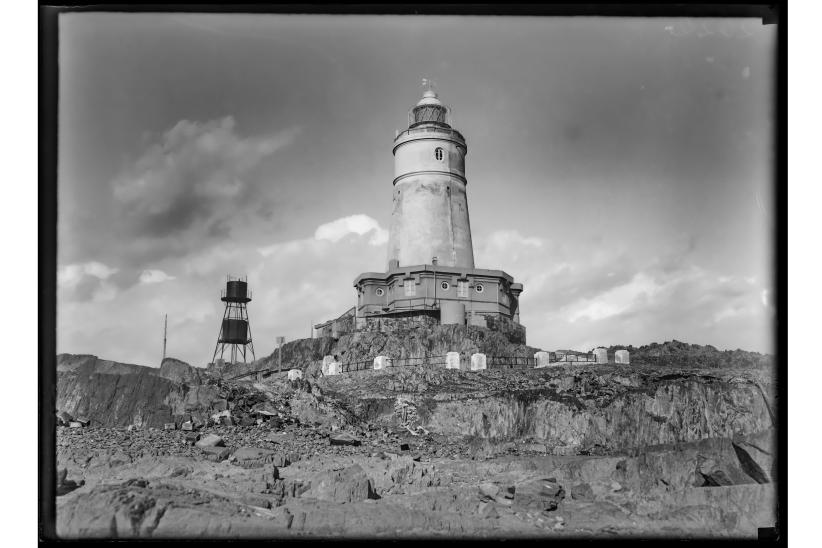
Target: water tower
[{"x": 235, "y": 331}]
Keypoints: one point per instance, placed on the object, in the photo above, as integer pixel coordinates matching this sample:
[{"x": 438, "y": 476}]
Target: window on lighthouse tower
[{"x": 438, "y": 153}]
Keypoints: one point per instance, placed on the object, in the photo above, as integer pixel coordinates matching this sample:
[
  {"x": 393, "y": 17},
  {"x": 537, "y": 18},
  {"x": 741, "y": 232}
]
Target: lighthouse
[
  {"x": 431, "y": 276},
  {"x": 429, "y": 217}
]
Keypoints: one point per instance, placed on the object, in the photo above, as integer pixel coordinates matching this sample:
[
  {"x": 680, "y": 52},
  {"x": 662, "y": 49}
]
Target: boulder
[
  {"x": 169, "y": 426},
  {"x": 210, "y": 440},
  {"x": 489, "y": 490},
  {"x": 478, "y": 362},
  {"x": 712, "y": 474},
  {"x": 295, "y": 374},
  {"x": 348, "y": 485},
  {"x": 755, "y": 454},
  {"x": 583, "y": 492},
  {"x": 255, "y": 457},
  {"x": 223, "y": 417},
  {"x": 188, "y": 426},
  {"x": 75, "y": 424},
  {"x": 63, "y": 418},
  {"x": 542, "y": 495},
  {"x": 343, "y": 438},
  {"x": 64, "y": 485},
  {"x": 215, "y": 454}
]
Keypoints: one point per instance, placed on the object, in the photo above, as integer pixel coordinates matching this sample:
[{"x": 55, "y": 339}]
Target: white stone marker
[
  {"x": 327, "y": 361},
  {"x": 334, "y": 368},
  {"x": 478, "y": 362},
  {"x": 621, "y": 356},
  {"x": 452, "y": 360},
  {"x": 381, "y": 362},
  {"x": 601, "y": 355},
  {"x": 294, "y": 374},
  {"x": 542, "y": 358}
]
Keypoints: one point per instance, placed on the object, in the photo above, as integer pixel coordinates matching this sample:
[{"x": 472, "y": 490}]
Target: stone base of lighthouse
[{"x": 424, "y": 295}]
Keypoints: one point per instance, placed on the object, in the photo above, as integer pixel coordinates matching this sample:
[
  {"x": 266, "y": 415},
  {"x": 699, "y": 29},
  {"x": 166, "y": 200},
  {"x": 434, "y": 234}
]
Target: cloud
[
  {"x": 571, "y": 299},
  {"x": 196, "y": 184},
  {"x": 69, "y": 276},
  {"x": 154, "y": 276},
  {"x": 610, "y": 296},
  {"x": 354, "y": 224},
  {"x": 86, "y": 281},
  {"x": 294, "y": 284}
]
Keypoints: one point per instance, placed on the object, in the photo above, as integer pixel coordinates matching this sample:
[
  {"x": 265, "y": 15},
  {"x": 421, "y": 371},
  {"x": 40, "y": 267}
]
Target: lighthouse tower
[
  {"x": 430, "y": 213},
  {"x": 431, "y": 276}
]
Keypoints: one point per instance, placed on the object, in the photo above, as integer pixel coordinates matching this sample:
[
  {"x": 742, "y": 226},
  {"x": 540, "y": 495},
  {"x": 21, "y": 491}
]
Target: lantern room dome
[{"x": 429, "y": 98}]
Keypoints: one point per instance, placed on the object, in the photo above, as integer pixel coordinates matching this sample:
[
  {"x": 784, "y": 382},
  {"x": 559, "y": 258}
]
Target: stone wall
[
  {"x": 337, "y": 327},
  {"x": 395, "y": 324},
  {"x": 512, "y": 330}
]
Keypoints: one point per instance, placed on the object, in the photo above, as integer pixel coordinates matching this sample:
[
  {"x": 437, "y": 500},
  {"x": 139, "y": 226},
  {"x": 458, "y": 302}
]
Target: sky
[{"x": 621, "y": 169}]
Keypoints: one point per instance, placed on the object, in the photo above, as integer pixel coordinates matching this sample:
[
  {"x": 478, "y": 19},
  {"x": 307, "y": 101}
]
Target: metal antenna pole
[{"x": 165, "y": 337}]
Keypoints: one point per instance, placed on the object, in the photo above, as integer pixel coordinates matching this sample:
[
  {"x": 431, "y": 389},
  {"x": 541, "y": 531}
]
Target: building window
[
  {"x": 410, "y": 287},
  {"x": 479, "y": 288},
  {"x": 444, "y": 286},
  {"x": 438, "y": 153},
  {"x": 462, "y": 288},
  {"x": 380, "y": 292}
]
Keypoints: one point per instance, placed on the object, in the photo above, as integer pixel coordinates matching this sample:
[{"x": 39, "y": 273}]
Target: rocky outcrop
[
  {"x": 348, "y": 485},
  {"x": 677, "y": 354},
  {"x": 180, "y": 372},
  {"x": 115, "y": 394},
  {"x": 417, "y": 451},
  {"x": 607, "y": 408},
  {"x": 436, "y": 341}
]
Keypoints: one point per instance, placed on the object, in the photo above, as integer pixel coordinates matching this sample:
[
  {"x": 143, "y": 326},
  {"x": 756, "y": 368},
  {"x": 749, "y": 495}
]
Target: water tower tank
[
  {"x": 236, "y": 291},
  {"x": 235, "y": 331}
]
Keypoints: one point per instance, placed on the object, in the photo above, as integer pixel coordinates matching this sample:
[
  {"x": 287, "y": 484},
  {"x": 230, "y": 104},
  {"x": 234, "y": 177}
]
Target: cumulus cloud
[
  {"x": 353, "y": 224},
  {"x": 295, "y": 284},
  {"x": 69, "y": 276},
  {"x": 86, "y": 281},
  {"x": 154, "y": 276},
  {"x": 608, "y": 296},
  {"x": 571, "y": 299}
]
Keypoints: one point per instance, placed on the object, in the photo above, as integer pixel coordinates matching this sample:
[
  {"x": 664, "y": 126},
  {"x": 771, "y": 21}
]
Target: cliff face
[
  {"x": 596, "y": 409},
  {"x": 116, "y": 394}
]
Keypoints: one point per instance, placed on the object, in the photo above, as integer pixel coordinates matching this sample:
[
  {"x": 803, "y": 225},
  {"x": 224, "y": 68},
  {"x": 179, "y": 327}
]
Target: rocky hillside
[
  {"x": 571, "y": 409},
  {"x": 576, "y": 450},
  {"x": 679, "y": 354},
  {"x": 408, "y": 343}
]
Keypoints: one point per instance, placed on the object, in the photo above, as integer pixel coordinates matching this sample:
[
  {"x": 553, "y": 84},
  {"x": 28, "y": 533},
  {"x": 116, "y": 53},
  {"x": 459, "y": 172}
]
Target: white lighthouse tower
[
  {"x": 431, "y": 277},
  {"x": 430, "y": 214}
]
